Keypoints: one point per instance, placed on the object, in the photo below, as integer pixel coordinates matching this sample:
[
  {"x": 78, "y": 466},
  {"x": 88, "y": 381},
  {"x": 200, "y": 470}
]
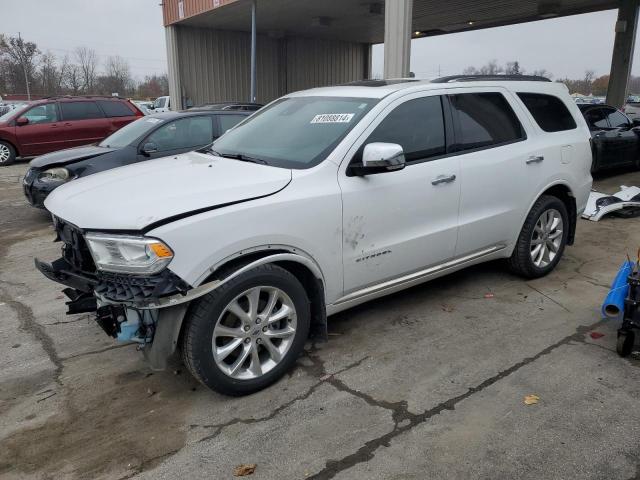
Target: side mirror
[
  {"x": 149, "y": 148},
  {"x": 380, "y": 157},
  {"x": 22, "y": 121}
]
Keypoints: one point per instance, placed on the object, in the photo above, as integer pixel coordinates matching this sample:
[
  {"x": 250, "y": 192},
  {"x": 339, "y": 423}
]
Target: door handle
[
  {"x": 535, "y": 159},
  {"x": 67, "y": 124},
  {"x": 443, "y": 179}
]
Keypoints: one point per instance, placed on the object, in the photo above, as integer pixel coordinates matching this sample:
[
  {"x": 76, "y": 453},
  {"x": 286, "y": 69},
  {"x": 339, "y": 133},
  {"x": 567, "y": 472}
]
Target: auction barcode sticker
[{"x": 333, "y": 118}]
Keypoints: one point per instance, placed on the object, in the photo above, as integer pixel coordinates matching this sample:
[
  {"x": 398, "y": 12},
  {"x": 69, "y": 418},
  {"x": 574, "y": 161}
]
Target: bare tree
[
  {"x": 117, "y": 77},
  {"x": 470, "y": 71},
  {"x": 21, "y": 58},
  {"x": 491, "y": 68},
  {"x": 52, "y": 73},
  {"x": 541, "y": 72},
  {"x": 88, "y": 62},
  {"x": 513, "y": 68},
  {"x": 73, "y": 78}
]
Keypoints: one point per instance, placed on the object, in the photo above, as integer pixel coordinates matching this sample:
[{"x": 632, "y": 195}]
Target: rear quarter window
[
  {"x": 549, "y": 112},
  {"x": 115, "y": 108}
]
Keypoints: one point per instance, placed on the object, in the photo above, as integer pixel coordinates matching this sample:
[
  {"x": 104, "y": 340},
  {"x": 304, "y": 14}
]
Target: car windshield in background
[
  {"x": 11, "y": 110},
  {"x": 129, "y": 133},
  {"x": 296, "y": 132}
]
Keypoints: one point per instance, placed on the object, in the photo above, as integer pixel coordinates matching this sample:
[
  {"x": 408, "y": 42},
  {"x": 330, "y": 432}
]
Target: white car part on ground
[{"x": 601, "y": 204}]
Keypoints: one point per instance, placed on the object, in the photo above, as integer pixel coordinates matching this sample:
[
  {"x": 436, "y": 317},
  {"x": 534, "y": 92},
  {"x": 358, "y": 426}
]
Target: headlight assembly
[
  {"x": 128, "y": 254},
  {"x": 54, "y": 175}
]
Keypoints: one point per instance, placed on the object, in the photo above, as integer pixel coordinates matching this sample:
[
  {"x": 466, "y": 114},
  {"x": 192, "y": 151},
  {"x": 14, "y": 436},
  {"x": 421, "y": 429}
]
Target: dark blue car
[{"x": 153, "y": 136}]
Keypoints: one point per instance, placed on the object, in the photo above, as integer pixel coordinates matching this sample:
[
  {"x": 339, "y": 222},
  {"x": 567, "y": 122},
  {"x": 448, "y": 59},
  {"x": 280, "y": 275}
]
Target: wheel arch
[
  {"x": 298, "y": 263},
  {"x": 564, "y": 193}
]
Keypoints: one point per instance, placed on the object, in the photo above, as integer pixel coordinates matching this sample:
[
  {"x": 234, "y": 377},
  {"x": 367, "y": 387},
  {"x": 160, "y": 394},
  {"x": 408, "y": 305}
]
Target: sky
[{"x": 133, "y": 29}]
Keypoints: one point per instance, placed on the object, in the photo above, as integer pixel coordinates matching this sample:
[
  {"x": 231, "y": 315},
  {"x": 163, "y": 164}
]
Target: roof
[
  {"x": 363, "y": 20},
  {"x": 382, "y": 89}
]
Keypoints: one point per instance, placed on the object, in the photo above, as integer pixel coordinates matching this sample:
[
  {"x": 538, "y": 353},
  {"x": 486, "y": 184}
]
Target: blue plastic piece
[
  {"x": 614, "y": 302},
  {"x": 128, "y": 330}
]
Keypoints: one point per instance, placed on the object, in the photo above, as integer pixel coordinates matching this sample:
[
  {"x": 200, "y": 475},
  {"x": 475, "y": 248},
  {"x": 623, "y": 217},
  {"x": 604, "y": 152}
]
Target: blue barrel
[{"x": 614, "y": 302}]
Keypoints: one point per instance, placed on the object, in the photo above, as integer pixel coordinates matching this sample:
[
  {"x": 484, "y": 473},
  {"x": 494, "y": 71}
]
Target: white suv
[{"x": 320, "y": 201}]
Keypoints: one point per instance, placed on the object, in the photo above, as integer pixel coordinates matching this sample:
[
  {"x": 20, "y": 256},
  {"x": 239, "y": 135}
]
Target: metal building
[{"x": 261, "y": 49}]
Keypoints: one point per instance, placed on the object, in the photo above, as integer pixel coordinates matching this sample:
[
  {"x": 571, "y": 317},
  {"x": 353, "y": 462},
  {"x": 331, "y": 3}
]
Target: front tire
[
  {"x": 542, "y": 239},
  {"x": 7, "y": 154},
  {"x": 245, "y": 335}
]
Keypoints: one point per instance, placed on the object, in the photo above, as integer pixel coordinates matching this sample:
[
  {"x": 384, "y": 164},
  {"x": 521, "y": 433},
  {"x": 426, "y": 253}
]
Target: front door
[
  {"x": 44, "y": 133},
  {"x": 399, "y": 222},
  {"x": 179, "y": 136}
]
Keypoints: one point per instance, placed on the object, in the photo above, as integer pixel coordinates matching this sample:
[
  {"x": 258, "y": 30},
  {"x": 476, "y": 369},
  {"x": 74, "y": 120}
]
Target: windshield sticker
[
  {"x": 153, "y": 120},
  {"x": 333, "y": 118}
]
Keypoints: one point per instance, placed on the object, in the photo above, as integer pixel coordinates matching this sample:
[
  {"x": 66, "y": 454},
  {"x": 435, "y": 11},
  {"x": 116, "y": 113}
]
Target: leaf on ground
[
  {"x": 448, "y": 308},
  {"x": 244, "y": 469},
  {"x": 531, "y": 399},
  {"x": 596, "y": 335}
]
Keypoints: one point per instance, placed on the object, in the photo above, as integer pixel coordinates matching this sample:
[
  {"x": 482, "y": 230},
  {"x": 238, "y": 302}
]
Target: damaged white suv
[{"x": 322, "y": 200}]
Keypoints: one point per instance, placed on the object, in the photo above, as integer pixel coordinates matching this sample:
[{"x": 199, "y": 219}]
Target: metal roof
[{"x": 363, "y": 20}]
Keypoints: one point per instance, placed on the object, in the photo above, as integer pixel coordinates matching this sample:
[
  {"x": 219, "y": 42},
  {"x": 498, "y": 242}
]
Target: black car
[
  {"x": 243, "y": 107},
  {"x": 616, "y": 140},
  {"x": 153, "y": 136}
]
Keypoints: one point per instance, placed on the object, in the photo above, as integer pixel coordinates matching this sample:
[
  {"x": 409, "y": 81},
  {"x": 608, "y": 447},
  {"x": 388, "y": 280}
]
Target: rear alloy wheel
[
  {"x": 7, "y": 154},
  {"x": 245, "y": 335},
  {"x": 542, "y": 238}
]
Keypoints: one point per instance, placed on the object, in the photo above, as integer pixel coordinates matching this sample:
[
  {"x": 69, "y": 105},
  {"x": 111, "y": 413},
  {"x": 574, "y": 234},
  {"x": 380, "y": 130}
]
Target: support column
[
  {"x": 254, "y": 34},
  {"x": 397, "y": 37},
  {"x": 626, "y": 28},
  {"x": 173, "y": 67}
]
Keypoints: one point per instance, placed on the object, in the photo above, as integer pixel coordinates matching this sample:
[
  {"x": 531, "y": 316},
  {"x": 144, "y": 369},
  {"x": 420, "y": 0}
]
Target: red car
[{"x": 61, "y": 122}]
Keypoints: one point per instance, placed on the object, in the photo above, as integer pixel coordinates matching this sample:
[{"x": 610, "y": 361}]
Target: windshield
[
  {"x": 131, "y": 132},
  {"x": 296, "y": 132},
  {"x": 11, "y": 110}
]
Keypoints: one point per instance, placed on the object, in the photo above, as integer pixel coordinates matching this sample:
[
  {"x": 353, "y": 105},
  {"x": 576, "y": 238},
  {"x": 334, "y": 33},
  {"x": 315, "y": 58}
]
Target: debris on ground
[
  {"x": 324, "y": 378},
  {"x": 531, "y": 399},
  {"x": 596, "y": 335},
  {"x": 626, "y": 203},
  {"x": 489, "y": 295},
  {"x": 244, "y": 469},
  {"x": 448, "y": 308}
]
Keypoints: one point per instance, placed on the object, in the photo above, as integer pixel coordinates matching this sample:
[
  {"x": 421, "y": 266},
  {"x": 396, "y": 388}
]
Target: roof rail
[
  {"x": 490, "y": 78},
  {"x": 53, "y": 97}
]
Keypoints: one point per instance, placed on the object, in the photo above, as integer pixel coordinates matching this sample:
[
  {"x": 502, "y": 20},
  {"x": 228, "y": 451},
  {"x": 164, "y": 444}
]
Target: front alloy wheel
[
  {"x": 247, "y": 333},
  {"x": 254, "y": 332}
]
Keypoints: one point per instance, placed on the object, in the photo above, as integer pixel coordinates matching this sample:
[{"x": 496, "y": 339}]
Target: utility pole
[
  {"x": 24, "y": 68},
  {"x": 254, "y": 33}
]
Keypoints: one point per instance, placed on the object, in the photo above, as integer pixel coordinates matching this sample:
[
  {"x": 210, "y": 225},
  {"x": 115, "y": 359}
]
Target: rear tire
[
  {"x": 7, "y": 154},
  {"x": 542, "y": 239},
  {"x": 245, "y": 335}
]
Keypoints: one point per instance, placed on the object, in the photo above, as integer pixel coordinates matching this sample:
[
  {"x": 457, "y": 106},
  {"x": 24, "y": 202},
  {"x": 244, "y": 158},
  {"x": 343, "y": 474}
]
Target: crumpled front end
[{"x": 123, "y": 304}]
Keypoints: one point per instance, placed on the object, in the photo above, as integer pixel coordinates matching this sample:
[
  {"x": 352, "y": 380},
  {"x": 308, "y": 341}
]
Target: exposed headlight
[
  {"x": 128, "y": 254},
  {"x": 54, "y": 175}
]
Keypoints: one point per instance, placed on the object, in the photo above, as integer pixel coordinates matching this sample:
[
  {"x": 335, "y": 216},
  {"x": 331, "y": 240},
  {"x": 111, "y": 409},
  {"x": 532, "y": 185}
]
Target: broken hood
[
  {"x": 64, "y": 157},
  {"x": 137, "y": 196}
]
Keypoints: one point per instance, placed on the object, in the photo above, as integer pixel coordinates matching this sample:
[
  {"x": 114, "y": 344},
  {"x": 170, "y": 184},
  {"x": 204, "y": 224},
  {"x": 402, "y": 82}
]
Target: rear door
[
  {"x": 179, "y": 136},
  {"x": 84, "y": 122},
  {"x": 44, "y": 133},
  {"x": 118, "y": 112},
  {"x": 226, "y": 121},
  {"x": 495, "y": 179}
]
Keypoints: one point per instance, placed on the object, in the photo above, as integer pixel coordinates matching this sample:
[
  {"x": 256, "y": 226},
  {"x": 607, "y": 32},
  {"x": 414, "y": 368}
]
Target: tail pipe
[{"x": 614, "y": 302}]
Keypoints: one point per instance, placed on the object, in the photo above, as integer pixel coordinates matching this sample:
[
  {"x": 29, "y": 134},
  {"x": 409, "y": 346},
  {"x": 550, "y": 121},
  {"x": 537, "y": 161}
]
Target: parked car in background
[
  {"x": 616, "y": 140},
  {"x": 161, "y": 104},
  {"x": 9, "y": 107},
  {"x": 153, "y": 136},
  {"x": 57, "y": 123},
  {"x": 245, "y": 107},
  {"x": 632, "y": 109},
  {"x": 323, "y": 200},
  {"x": 144, "y": 106}
]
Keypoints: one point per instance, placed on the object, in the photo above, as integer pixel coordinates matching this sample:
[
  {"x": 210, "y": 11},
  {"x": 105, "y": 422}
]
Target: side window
[
  {"x": 417, "y": 125},
  {"x": 184, "y": 133},
  {"x": 596, "y": 118},
  {"x": 47, "y": 113},
  {"x": 80, "y": 110},
  {"x": 549, "y": 112},
  {"x": 617, "y": 119},
  {"x": 159, "y": 103},
  {"x": 227, "y": 122},
  {"x": 484, "y": 120},
  {"x": 115, "y": 108}
]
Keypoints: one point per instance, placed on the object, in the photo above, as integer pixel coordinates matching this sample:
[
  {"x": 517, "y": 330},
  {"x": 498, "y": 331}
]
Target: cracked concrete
[{"x": 427, "y": 383}]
